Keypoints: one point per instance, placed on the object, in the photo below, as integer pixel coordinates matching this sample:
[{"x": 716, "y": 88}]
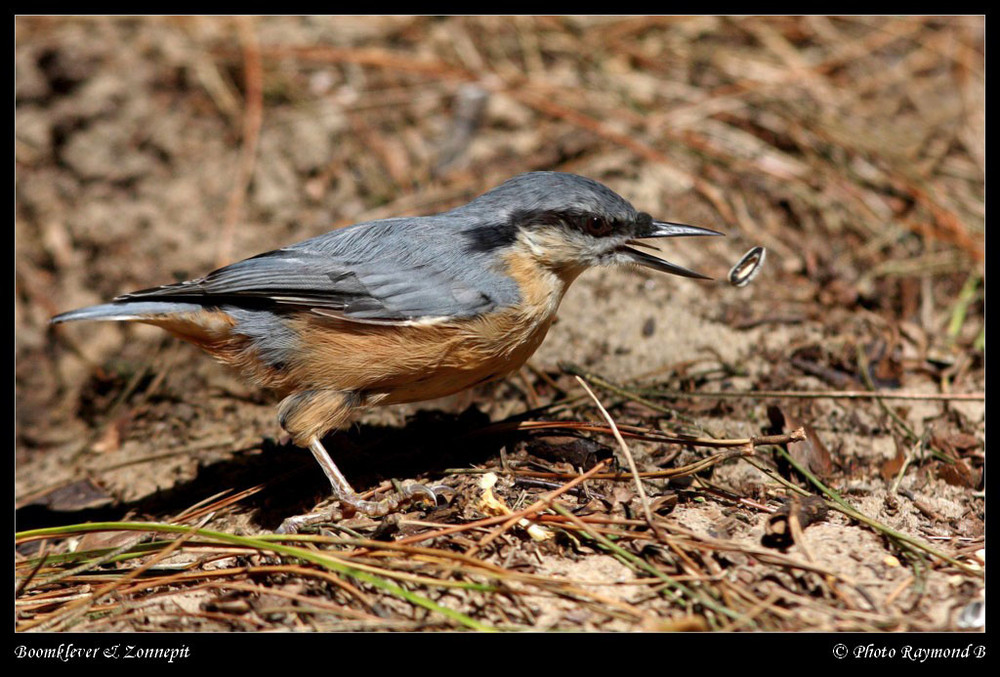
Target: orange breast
[{"x": 412, "y": 363}]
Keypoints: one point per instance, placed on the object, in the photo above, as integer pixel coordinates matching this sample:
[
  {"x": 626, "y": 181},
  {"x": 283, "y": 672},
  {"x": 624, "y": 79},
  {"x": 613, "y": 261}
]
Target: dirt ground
[{"x": 152, "y": 150}]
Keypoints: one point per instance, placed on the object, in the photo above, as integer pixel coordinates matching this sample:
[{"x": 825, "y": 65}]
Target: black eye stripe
[{"x": 585, "y": 222}]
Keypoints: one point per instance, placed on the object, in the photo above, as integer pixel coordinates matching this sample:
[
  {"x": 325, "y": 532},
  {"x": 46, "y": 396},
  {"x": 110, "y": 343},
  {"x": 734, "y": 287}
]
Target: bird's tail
[{"x": 126, "y": 311}]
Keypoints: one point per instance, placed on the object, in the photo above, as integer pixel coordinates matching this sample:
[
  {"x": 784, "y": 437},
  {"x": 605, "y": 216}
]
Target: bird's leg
[
  {"x": 345, "y": 494},
  {"x": 315, "y": 410}
]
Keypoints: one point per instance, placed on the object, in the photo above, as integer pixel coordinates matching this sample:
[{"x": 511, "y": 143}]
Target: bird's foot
[
  {"x": 293, "y": 525},
  {"x": 352, "y": 503},
  {"x": 409, "y": 492}
]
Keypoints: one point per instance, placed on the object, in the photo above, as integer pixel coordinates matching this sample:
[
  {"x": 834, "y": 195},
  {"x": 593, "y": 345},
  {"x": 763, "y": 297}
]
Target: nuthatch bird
[{"x": 402, "y": 309}]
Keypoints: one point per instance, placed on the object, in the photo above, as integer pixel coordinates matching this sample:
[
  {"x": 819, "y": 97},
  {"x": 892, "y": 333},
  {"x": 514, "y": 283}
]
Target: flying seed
[{"x": 747, "y": 267}]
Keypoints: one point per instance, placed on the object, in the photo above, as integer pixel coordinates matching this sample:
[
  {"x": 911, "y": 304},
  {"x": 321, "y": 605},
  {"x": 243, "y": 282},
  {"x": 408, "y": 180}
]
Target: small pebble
[{"x": 649, "y": 327}]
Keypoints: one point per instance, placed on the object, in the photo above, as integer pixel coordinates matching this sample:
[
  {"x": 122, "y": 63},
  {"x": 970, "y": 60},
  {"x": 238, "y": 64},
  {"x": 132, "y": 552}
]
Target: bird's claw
[
  {"x": 409, "y": 492},
  {"x": 292, "y": 525},
  {"x": 415, "y": 490}
]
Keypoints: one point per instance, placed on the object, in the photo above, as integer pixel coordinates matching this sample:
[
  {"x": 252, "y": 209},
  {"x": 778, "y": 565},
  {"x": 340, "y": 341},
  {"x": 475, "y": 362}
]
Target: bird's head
[{"x": 570, "y": 223}]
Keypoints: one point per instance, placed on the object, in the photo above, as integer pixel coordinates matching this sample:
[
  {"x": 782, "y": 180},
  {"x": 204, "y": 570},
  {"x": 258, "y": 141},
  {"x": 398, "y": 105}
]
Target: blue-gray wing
[{"x": 394, "y": 270}]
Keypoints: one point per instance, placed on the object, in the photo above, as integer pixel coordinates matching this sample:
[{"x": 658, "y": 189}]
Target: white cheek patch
[
  {"x": 526, "y": 237},
  {"x": 566, "y": 247}
]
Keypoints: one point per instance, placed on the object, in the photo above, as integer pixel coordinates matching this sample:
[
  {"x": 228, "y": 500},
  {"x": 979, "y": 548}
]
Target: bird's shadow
[{"x": 430, "y": 442}]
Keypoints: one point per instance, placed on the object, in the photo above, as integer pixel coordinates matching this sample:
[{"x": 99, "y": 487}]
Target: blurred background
[{"x": 150, "y": 150}]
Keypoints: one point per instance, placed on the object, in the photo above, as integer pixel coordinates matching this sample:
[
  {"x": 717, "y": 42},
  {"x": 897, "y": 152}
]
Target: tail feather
[{"x": 127, "y": 311}]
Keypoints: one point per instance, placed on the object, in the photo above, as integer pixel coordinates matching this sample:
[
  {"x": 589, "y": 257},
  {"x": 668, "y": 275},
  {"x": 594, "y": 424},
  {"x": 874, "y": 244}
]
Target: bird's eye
[{"x": 597, "y": 226}]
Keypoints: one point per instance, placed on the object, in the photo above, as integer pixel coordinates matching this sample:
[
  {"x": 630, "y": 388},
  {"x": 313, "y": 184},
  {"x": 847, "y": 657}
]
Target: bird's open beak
[{"x": 664, "y": 229}]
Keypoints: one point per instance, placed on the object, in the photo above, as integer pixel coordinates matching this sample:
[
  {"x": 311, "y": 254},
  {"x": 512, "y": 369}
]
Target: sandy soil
[{"x": 139, "y": 163}]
